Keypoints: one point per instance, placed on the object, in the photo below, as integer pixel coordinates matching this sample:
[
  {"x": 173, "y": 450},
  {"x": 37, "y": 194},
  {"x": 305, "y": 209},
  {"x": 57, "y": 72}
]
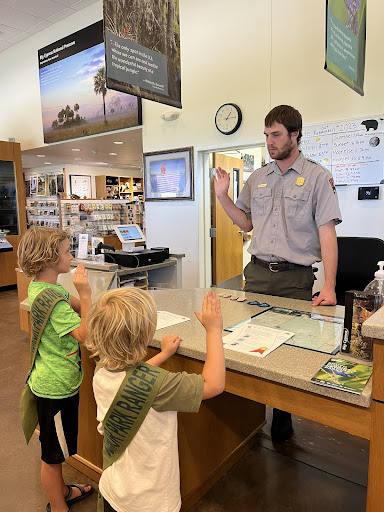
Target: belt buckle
[{"x": 270, "y": 266}]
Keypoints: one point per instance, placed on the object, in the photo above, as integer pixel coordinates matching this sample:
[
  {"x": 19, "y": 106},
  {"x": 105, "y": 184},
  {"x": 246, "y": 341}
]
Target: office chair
[{"x": 358, "y": 257}]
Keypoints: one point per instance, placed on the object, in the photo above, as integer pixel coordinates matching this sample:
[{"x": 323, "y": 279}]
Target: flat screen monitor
[{"x": 129, "y": 233}]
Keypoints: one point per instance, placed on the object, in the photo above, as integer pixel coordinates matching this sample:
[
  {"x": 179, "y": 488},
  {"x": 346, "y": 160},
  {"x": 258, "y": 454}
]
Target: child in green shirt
[{"x": 43, "y": 254}]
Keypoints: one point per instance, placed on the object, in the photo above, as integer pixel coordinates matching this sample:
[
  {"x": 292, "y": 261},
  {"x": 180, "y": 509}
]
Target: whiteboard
[{"x": 352, "y": 150}]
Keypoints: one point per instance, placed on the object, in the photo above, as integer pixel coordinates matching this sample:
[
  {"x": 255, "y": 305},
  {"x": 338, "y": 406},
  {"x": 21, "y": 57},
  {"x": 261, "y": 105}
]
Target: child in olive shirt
[
  {"x": 145, "y": 477},
  {"x": 57, "y": 372}
]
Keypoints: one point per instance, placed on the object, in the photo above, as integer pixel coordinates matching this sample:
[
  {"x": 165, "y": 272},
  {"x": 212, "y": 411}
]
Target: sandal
[{"x": 84, "y": 494}]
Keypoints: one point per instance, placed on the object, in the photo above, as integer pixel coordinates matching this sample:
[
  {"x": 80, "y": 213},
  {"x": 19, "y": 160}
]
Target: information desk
[
  {"x": 211, "y": 441},
  {"x": 282, "y": 379}
]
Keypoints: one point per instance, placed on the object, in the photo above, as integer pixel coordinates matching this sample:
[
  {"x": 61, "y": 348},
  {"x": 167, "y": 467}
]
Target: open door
[{"x": 227, "y": 238}]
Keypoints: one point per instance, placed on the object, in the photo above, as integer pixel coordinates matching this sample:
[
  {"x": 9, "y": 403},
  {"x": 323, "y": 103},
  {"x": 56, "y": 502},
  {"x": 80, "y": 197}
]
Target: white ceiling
[
  {"x": 20, "y": 19},
  {"x": 94, "y": 151}
]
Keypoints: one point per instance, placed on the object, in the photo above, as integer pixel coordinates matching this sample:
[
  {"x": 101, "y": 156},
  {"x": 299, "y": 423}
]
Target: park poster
[
  {"x": 75, "y": 100},
  {"x": 142, "y": 48},
  {"x": 345, "y": 41}
]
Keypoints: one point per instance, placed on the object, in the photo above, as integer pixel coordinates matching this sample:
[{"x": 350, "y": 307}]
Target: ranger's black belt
[{"x": 275, "y": 266}]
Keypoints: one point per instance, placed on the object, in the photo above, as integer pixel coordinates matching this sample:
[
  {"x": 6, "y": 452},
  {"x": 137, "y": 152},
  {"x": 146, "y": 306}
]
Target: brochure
[
  {"x": 257, "y": 340},
  {"x": 344, "y": 375}
]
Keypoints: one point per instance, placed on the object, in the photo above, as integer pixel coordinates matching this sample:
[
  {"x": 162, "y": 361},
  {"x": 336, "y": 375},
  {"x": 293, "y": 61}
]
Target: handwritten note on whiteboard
[{"x": 352, "y": 150}]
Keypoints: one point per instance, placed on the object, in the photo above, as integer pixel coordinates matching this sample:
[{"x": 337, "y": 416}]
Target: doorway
[{"x": 225, "y": 244}]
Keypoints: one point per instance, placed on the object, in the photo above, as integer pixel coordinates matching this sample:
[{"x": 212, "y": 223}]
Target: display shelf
[
  {"x": 97, "y": 217},
  {"x": 43, "y": 212},
  {"x": 119, "y": 187}
]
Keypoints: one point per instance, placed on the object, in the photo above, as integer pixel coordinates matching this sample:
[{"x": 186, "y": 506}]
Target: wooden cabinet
[
  {"x": 119, "y": 187},
  {"x": 12, "y": 207}
]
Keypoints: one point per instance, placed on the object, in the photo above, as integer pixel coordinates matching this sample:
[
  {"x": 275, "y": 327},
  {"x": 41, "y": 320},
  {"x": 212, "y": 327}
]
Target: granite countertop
[
  {"x": 288, "y": 365},
  {"x": 374, "y": 326},
  {"x": 99, "y": 281}
]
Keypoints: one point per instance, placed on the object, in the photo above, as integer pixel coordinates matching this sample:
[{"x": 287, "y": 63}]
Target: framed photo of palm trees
[{"x": 72, "y": 77}]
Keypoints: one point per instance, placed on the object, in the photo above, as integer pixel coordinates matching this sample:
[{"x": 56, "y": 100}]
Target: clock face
[{"x": 228, "y": 118}]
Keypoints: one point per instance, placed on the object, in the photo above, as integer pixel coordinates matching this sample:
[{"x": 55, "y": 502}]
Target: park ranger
[{"x": 292, "y": 207}]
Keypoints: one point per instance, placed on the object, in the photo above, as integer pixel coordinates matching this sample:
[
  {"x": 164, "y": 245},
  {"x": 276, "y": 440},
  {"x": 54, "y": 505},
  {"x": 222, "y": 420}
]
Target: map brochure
[
  {"x": 344, "y": 375},
  {"x": 257, "y": 340}
]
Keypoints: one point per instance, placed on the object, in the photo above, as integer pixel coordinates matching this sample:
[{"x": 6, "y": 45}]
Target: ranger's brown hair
[{"x": 288, "y": 117}]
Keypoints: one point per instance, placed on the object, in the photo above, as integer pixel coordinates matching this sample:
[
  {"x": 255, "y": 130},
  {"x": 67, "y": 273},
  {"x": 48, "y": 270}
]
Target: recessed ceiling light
[
  {"x": 103, "y": 163},
  {"x": 48, "y": 163},
  {"x": 118, "y": 142},
  {"x": 41, "y": 156},
  {"x": 112, "y": 154},
  {"x": 75, "y": 149}
]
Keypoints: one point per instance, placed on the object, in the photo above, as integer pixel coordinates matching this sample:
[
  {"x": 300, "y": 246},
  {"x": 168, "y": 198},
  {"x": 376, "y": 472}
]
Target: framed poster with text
[
  {"x": 142, "y": 48},
  {"x": 75, "y": 101}
]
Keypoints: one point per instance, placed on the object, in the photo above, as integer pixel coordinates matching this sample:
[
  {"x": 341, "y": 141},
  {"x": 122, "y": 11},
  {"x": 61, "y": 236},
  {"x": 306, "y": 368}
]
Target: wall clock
[{"x": 228, "y": 118}]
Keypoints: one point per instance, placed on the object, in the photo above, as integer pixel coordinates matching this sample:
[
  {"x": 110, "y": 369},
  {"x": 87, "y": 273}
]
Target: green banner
[{"x": 345, "y": 41}]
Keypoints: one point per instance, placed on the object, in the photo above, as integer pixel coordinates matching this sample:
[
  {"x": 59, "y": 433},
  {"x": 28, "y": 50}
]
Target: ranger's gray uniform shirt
[{"x": 287, "y": 209}]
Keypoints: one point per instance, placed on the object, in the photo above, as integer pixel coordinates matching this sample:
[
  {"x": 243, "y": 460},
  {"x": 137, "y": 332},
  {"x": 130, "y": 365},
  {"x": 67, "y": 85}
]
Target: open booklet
[{"x": 256, "y": 340}]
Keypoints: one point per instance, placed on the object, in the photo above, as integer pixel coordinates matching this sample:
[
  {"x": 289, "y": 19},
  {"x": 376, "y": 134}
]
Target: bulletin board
[{"x": 352, "y": 150}]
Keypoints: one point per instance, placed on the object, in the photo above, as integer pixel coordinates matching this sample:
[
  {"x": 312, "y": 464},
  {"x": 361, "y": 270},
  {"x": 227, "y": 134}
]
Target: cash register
[{"x": 130, "y": 255}]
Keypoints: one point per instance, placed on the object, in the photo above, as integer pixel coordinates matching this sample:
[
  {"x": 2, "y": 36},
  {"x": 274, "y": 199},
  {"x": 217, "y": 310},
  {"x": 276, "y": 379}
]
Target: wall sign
[
  {"x": 345, "y": 41},
  {"x": 352, "y": 150},
  {"x": 142, "y": 47}
]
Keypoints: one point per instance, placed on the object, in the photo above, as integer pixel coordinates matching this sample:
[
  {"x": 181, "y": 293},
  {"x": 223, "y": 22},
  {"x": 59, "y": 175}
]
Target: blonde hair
[
  {"x": 120, "y": 326},
  {"x": 39, "y": 248}
]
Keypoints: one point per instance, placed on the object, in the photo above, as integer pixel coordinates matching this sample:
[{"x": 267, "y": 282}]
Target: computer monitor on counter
[{"x": 128, "y": 235}]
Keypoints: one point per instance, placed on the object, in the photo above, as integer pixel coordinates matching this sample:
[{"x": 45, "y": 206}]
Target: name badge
[{"x": 262, "y": 185}]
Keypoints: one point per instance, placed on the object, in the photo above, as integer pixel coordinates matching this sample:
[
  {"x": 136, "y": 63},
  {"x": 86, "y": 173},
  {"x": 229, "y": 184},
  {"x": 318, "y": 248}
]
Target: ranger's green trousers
[{"x": 294, "y": 284}]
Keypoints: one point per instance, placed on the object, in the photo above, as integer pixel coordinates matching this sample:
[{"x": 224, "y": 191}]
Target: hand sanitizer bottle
[{"x": 376, "y": 287}]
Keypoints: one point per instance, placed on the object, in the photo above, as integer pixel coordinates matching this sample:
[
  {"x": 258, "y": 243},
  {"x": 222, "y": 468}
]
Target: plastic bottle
[{"x": 376, "y": 287}]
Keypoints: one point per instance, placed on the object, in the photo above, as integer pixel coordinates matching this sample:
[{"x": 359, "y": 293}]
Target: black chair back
[{"x": 358, "y": 257}]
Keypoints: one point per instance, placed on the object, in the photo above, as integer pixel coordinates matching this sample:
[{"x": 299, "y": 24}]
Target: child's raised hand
[
  {"x": 80, "y": 281},
  {"x": 169, "y": 344},
  {"x": 211, "y": 317}
]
